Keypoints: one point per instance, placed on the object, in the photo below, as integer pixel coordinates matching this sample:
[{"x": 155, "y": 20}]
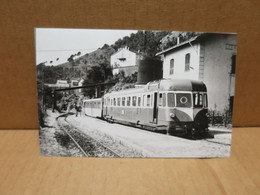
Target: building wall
[
  {"x": 216, "y": 61},
  {"x": 179, "y": 63},
  {"x": 129, "y": 70},
  {"x": 211, "y": 63},
  {"x": 117, "y": 58}
]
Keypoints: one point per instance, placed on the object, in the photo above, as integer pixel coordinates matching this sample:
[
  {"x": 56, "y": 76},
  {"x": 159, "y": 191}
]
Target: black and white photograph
[{"x": 135, "y": 93}]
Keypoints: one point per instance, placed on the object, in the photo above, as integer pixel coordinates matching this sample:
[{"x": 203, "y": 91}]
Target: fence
[{"x": 220, "y": 119}]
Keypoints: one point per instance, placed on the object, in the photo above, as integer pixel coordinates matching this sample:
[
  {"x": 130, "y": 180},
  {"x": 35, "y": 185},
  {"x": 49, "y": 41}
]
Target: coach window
[
  {"x": 171, "y": 99},
  {"x": 143, "y": 100},
  {"x": 139, "y": 101},
  {"x": 123, "y": 101},
  {"x": 118, "y": 101},
  {"x": 108, "y": 101},
  {"x": 134, "y": 101},
  {"x": 114, "y": 101},
  {"x": 187, "y": 62},
  {"x": 148, "y": 100},
  {"x": 128, "y": 101}
]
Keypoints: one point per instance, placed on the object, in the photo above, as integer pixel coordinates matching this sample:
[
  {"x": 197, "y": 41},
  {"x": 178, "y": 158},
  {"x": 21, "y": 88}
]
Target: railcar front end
[{"x": 186, "y": 112}]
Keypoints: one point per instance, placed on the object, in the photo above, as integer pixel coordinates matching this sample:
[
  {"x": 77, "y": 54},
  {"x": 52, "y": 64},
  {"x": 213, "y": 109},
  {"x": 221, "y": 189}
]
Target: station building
[
  {"x": 210, "y": 58},
  {"x": 125, "y": 60}
]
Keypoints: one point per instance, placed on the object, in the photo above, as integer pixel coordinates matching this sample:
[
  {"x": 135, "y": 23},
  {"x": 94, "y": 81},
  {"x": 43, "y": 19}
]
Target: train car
[
  {"x": 173, "y": 106},
  {"x": 93, "y": 107}
]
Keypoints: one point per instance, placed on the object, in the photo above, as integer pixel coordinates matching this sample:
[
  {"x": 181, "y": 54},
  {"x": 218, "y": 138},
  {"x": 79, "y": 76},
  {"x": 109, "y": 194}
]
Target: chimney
[{"x": 178, "y": 40}]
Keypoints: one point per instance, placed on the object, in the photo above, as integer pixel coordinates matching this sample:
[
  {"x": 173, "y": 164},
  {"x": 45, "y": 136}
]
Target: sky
[{"x": 54, "y": 43}]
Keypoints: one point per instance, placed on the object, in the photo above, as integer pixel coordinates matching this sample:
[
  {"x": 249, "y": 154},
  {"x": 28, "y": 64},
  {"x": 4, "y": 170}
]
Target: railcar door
[{"x": 155, "y": 108}]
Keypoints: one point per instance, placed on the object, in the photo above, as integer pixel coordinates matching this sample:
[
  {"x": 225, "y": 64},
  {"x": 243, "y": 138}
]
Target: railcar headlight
[{"x": 172, "y": 115}]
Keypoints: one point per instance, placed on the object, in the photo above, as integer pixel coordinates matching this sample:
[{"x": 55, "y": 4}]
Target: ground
[{"x": 146, "y": 143}]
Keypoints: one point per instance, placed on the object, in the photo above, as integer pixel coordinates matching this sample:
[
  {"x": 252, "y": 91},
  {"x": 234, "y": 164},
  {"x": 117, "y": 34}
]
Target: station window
[
  {"x": 139, "y": 101},
  {"x": 162, "y": 99},
  {"x": 118, "y": 101},
  {"x": 134, "y": 101},
  {"x": 187, "y": 62},
  {"x": 123, "y": 101},
  {"x": 148, "y": 100},
  {"x": 171, "y": 66},
  {"x": 128, "y": 101}
]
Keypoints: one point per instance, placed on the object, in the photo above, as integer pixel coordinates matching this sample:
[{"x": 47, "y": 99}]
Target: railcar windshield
[
  {"x": 183, "y": 100},
  {"x": 200, "y": 100}
]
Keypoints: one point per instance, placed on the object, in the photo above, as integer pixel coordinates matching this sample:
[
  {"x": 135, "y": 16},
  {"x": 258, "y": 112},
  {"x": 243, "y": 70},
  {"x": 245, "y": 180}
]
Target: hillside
[
  {"x": 95, "y": 66},
  {"x": 77, "y": 68}
]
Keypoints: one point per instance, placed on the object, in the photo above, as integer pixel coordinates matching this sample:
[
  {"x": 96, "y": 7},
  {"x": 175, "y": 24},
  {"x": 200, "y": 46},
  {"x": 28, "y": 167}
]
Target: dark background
[{"x": 18, "y": 100}]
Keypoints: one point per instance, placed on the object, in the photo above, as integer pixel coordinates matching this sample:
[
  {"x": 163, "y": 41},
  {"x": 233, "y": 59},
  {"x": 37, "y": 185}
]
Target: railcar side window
[
  {"x": 108, "y": 101},
  {"x": 123, "y": 101},
  {"x": 139, "y": 101},
  {"x": 205, "y": 100},
  {"x": 148, "y": 100},
  {"x": 134, "y": 101},
  {"x": 114, "y": 101},
  {"x": 118, "y": 101},
  {"x": 162, "y": 99},
  {"x": 171, "y": 99},
  {"x": 128, "y": 101},
  {"x": 183, "y": 100},
  {"x": 143, "y": 100}
]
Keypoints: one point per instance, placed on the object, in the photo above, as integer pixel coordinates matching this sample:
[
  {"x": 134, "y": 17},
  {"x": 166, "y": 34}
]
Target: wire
[{"x": 58, "y": 50}]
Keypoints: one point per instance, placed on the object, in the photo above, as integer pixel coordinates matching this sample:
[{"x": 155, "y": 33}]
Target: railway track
[{"x": 88, "y": 145}]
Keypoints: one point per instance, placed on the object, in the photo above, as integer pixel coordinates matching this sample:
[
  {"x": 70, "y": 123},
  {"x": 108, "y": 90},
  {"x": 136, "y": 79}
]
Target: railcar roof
[
  {"x": 165, "y": 85},
  {"x": 182, "y": 85},
  {"x": 90, "y": 100}
]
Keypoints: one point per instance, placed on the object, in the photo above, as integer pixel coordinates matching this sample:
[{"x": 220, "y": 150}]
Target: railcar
[{"x": 173, "y": 106}]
